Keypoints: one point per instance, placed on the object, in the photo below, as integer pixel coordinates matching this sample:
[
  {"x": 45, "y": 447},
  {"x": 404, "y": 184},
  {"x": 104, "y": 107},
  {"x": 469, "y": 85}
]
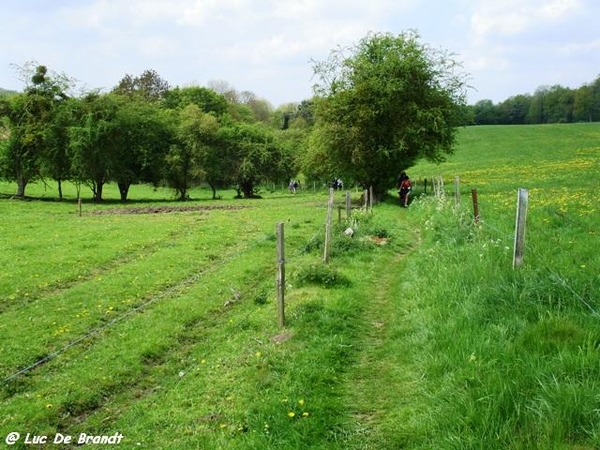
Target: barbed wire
[{"x": 169, "y": 291}]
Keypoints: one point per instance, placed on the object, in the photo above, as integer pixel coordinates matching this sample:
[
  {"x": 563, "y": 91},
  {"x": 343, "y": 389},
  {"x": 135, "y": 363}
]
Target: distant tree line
[
  {"x": 549, "y": 104},
  {"x": 144, "y": 131}
]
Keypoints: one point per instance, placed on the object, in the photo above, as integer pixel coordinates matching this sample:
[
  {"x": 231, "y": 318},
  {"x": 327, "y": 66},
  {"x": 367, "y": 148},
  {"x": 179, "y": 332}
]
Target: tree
[
  {"x": 586, "y": 102},
  {"x": 145, "y": 134},
  {"x": 390, "y": 102},
  {"x": 149, "y": 86},
  {"x": 511, "y": 111},
  {"x": 485, "y": 112},
  {"x": 31, "y": 118},
  {"x": 94, "y": 141},
  {"x": 55, "y": 161},
  {"x": 257, "y": 156},
  {"x": 196, "y": 131},
  {"x": 206, "y": 99}
]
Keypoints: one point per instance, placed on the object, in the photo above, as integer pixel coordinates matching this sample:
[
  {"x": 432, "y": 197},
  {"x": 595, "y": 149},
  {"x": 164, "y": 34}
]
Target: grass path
[{"x": 385, "y": 387}]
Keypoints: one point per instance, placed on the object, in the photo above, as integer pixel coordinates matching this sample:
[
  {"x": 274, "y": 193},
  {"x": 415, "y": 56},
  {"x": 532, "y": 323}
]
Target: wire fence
[{"x": 484, "y": 219}]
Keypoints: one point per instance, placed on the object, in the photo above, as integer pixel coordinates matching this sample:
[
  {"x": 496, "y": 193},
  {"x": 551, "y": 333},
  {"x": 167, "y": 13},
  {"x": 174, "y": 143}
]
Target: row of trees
[
  {"x": 143, "y": 132},
  {"x": 554, "y": 104},
  {"x": 378, "y": 107}
]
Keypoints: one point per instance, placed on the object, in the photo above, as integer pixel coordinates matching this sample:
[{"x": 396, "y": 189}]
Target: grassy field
[{"x": 159, "y": 323}]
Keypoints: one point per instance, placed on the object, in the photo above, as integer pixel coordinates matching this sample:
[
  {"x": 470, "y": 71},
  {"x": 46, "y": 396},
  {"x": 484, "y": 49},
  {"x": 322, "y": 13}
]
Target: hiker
[{"x": 404, "y": 188}]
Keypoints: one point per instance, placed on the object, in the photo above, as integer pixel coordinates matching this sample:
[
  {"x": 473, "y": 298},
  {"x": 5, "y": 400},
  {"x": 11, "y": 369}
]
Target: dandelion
[
  {"x": 291, "y": 414},
  {"x": 258, "y": 354},
  {"x": 222, "y": 425},
  {"x": 301, "y": 402},
  {"x": 305, "y": 414},
  {"x": 49, "y": 406}
]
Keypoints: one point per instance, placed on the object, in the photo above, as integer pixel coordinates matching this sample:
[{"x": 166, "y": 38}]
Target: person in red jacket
[{"x": 404, "y": 188}]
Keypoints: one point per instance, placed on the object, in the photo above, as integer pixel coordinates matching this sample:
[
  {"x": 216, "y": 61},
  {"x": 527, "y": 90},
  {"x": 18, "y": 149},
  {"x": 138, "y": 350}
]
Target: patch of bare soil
[{"x": 166, "y": 209}]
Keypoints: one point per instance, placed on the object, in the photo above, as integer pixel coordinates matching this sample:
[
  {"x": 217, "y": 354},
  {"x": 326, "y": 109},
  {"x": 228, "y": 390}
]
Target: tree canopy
[{"x": 381, "y": 106}]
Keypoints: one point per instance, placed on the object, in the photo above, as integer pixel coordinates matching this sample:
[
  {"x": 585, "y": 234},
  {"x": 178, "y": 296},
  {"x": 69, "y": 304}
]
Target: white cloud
[
  {"x": 581, "y": 47},
  {"x": 266, "y": 46},
  {"x": 511, "y": 17}
]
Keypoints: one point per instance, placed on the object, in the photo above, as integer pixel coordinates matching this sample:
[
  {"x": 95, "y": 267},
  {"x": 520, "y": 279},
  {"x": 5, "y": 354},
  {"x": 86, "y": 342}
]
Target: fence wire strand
[{"x": 484, "y": 222}]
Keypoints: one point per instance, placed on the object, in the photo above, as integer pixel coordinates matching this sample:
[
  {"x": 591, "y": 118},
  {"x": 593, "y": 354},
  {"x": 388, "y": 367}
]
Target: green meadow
[{"x": 156, "y": 320}]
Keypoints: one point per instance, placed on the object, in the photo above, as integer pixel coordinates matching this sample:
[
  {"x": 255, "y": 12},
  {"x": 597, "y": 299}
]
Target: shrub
[{"x": 320, "y": 275}]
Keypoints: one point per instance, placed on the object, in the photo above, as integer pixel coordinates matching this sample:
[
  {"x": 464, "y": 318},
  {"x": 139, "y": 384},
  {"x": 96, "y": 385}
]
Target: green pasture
[{"x": 157, "y": 320}]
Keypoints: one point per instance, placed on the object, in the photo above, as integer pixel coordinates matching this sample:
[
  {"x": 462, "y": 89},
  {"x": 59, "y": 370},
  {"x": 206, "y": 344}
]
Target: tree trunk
[
  {"x": 124, "y": 190},
  {"x": 21, "y": 184},
  {"x": 98, "y": 190},
  {"x": 183, "y": 195},
  {"x": 248, "y": 189},
  {"x": 60, "y": 192},
  {"x": 213, "y": 189}
]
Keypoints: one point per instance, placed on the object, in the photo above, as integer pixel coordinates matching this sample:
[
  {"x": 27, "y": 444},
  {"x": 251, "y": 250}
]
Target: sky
[{"x": 268, "y": 47}]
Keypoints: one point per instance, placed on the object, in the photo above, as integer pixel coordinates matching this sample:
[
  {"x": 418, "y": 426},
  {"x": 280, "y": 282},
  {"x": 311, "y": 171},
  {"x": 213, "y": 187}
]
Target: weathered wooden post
[
  {"x": 348, "y": 205},
  {"x": 280, "y": 276},
  {"x": 475, "y": 206},
  {"x": 522, "y": 201},
  {"x": 328, "y": 227},
  {"x": 457, "y": 191}
]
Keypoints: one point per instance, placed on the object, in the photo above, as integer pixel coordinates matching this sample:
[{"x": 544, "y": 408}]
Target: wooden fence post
[
  {"x": 328, "y": 227},
  {"x": 475, "y": 206},
  {"x": 280, "y": 276},
  {"x": 522, "y": 201}
]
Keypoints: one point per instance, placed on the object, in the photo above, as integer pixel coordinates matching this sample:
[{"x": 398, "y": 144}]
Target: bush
[{"x": 320, "y": 275}]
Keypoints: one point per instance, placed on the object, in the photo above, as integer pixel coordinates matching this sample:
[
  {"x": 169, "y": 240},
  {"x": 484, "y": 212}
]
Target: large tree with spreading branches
[{"x": 381, "y": 106}]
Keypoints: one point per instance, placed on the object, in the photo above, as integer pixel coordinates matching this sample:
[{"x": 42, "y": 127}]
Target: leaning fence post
[
  {"x": 475, "y": 206},
  {"x": 522, "y": 201},
  {"x": 280, "y": 276},
  {"x": 328, "y": 227}
]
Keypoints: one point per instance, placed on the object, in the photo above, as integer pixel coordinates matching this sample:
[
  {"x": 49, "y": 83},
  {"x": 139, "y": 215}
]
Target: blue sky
[{"x": 507, "y": 47}]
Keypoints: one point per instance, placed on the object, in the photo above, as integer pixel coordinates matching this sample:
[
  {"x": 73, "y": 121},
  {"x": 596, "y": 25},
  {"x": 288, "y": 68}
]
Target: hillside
[{"x": 161, "y": 327}]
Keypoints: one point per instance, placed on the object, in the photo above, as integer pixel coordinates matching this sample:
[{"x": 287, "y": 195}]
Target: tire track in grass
[
  {"x": 128, "y": 255},
  {"x": 145, "y": 377},
  {"x": 46, "y": 347}
]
